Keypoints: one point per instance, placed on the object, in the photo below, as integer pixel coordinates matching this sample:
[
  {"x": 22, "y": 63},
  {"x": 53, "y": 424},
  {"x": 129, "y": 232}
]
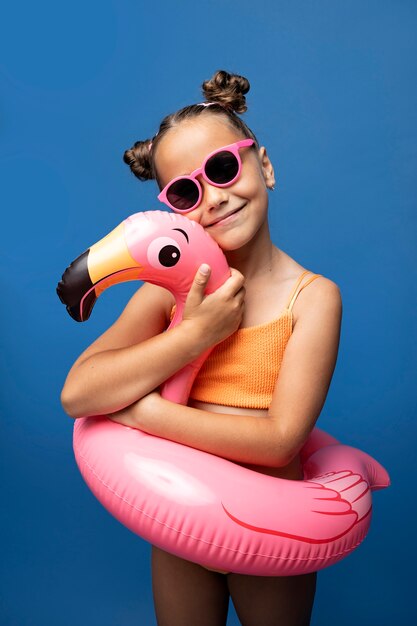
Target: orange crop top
[{"x": 242, "y": 370}]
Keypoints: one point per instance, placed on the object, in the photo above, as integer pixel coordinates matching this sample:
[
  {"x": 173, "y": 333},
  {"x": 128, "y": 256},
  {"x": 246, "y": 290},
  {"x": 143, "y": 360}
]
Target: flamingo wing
[{"x": 318, "y": 510}]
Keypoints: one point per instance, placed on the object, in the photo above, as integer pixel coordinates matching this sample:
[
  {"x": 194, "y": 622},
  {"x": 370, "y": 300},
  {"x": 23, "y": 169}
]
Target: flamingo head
[{"x": 162, "y": 248}]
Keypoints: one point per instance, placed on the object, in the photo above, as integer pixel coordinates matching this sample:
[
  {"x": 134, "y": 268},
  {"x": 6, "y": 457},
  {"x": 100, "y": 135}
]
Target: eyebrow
[{"x": 183, "y": 232}]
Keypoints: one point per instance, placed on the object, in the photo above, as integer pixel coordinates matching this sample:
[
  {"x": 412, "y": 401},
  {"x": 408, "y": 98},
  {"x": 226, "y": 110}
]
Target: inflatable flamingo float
[{"x": 193, "y": 504}]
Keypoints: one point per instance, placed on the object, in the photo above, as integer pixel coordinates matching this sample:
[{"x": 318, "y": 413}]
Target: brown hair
[{"x": 225, "y": 91}]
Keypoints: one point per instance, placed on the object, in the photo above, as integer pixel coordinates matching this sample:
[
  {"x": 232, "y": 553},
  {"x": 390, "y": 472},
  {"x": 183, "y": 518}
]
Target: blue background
[{"x": 333, "y": 100}]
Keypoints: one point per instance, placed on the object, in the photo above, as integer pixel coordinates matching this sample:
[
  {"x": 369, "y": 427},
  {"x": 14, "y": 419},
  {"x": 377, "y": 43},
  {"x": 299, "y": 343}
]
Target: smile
[{"x": 226, "y": 220}]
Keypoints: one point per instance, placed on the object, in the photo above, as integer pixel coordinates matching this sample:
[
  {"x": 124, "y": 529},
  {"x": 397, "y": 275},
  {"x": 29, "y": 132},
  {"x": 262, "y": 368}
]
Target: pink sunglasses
[{"x": 221, "y": 168}]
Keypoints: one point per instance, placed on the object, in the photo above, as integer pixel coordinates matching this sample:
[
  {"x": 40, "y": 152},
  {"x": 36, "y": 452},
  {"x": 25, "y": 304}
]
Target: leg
[
  {"x": 185, "y": 593},
  {"x": 273, "y": 600}
]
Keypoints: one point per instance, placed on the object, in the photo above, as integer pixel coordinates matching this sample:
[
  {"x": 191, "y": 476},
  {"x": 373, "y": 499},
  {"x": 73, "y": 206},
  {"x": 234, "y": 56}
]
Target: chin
[{"x": 231, "y": 243}]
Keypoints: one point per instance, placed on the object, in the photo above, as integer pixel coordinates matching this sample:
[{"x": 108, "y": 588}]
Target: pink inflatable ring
[{"x": 196, "y": 505}]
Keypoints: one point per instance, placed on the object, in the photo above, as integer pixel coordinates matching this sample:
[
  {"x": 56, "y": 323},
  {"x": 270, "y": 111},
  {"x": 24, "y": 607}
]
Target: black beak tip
[{"x": 73, "y": 286}]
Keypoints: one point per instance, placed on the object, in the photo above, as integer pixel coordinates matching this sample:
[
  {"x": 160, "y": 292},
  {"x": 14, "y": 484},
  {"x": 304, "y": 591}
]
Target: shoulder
[
  {"x": 313, "y": 286},
  {"x": 315, "y": 291},
  {"x": 317, "y": 298},
  {"x": 322, "y": 288}
]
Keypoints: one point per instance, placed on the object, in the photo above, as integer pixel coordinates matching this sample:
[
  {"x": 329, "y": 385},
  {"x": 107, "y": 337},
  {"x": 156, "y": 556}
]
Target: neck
[{"x": 256, "y": 259}]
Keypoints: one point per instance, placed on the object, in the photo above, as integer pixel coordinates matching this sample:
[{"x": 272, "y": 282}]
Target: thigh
[
  {"x": 273, "y": 600},
  {"x": 185, "y": 593}
]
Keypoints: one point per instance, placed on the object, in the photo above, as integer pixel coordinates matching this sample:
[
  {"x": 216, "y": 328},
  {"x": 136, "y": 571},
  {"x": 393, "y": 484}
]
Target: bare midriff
[{"x": 292, "y": 471}]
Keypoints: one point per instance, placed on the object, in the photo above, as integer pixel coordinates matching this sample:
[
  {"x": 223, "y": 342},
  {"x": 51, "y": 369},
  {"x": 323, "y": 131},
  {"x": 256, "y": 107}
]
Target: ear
[{"x": 266, "y": 167}]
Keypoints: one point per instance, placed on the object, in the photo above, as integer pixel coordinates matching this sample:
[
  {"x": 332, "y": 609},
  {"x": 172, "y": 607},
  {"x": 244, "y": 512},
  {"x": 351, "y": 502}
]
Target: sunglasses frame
[{"x": 233, "y": 148}]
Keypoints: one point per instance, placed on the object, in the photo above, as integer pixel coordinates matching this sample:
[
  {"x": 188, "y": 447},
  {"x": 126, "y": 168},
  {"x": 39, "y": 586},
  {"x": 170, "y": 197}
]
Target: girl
[{"x": 262, "y": 321}]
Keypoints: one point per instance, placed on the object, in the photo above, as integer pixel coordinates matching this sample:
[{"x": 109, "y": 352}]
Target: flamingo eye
[{"x": 163, "y": 253}]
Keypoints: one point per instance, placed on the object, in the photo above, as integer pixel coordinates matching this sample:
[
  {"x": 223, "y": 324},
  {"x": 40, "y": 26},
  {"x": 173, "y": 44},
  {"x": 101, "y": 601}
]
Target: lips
[{"x": 223, "y": 217}]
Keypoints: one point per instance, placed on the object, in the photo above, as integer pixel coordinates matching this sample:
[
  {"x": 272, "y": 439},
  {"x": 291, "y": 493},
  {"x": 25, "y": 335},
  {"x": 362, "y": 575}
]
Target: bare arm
[
  {"x": 134, "y": 356},
  {"x": 308, "y": 366},
  {"x": 300, "y": 392}
]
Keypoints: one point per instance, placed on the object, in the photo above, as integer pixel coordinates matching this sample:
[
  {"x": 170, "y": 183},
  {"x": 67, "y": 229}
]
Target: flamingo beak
[{"x": 106, "y": 263}]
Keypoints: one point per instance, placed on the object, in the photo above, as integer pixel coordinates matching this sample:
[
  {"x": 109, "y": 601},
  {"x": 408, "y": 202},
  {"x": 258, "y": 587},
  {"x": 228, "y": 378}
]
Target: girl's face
[{"x": 184, "y": 148}]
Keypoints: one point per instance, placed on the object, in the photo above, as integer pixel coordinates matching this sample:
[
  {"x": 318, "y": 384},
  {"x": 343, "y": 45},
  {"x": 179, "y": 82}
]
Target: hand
[
  {"x": 125, "y": 417},
  {"x": 220, "y": 313},
  {"x": 131, "y": 415}
]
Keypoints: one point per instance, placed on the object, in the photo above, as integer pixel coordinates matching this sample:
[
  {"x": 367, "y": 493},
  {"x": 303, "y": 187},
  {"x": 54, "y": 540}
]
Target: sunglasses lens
[
  {"x": 222, "y": 167},
  {"x": 183, "y": 194}
]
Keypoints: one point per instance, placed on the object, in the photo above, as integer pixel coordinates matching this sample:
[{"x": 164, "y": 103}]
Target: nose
[{"x": 213, "y": 197}]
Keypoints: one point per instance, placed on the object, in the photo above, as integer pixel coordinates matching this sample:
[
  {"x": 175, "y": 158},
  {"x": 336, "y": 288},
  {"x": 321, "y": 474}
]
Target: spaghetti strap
[
  {"x": 300, "y": 278},
  {"x": 297, "y": 287}
]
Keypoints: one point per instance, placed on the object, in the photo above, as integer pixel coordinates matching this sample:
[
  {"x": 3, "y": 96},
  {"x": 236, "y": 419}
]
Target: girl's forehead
[{"x": 184, "y": 148}]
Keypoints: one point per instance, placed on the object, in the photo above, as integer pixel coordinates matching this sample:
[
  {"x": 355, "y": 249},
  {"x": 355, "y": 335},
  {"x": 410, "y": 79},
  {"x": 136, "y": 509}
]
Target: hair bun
[
  {"x": 228, "y": 90},
  {"x": 139, "y": 160}
]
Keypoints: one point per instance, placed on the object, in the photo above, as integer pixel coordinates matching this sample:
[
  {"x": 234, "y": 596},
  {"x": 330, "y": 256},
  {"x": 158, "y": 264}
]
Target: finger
[
  {"x": 241, "y": 295},
  {"x": 232, "y": 284},
  {"x": 234, "y": 272}
]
